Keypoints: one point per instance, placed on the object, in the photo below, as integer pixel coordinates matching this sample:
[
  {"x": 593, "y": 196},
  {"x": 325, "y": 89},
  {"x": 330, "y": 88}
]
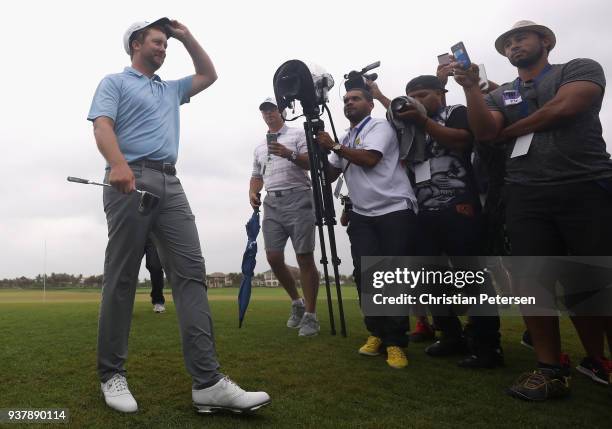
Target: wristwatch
[
  {"x": 293, "y": 157},
  {"x": 336, "y": 148}
]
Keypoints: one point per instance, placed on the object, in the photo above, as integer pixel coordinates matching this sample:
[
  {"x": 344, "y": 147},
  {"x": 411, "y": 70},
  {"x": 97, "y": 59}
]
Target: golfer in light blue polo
[{"x": 136, "y": 122}]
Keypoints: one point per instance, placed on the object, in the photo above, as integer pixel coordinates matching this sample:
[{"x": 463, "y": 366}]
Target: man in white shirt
[
  {"x": 383, "y": 219},
  {"x": 282, "y": 164}
]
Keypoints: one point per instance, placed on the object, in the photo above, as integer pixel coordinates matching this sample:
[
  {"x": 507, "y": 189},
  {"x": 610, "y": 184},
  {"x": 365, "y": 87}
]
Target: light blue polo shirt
[{"x": 145, "y": 112}]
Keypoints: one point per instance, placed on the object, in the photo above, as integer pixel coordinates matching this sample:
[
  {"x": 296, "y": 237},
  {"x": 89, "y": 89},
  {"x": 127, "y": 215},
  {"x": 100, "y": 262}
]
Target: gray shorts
[{"x": 289, "y": 215}]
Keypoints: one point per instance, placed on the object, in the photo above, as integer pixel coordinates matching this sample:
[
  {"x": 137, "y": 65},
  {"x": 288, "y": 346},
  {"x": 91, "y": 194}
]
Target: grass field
[{"x": 47, "y": 359}]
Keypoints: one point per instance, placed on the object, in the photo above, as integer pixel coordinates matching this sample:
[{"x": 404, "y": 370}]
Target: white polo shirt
[
  {"x": 384, "y": 188},
  {"x": 279, "y": 173}
]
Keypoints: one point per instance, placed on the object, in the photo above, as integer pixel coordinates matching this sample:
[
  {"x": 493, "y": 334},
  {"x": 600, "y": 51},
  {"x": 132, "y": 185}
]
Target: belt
[
  {"x": 164, "y": 167},
  {"x": 286, "y": 191}
]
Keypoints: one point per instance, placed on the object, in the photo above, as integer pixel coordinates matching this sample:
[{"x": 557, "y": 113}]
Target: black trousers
[
  {"x": 458, "y": 231},
  {"x": 154, "y": 266},
  {"x": 392, "y": 234},
  {"x": 558, "y": 220}
]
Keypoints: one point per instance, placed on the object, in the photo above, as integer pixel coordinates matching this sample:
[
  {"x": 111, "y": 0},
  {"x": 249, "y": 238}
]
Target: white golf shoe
[
  {"x": 118, "y": 396},
  {"x": 159, "y": 308},
  {"x": 227, "y": 395}
]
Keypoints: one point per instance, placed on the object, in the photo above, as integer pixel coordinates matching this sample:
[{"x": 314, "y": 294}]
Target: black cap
[{"x": 424, "y": 82}]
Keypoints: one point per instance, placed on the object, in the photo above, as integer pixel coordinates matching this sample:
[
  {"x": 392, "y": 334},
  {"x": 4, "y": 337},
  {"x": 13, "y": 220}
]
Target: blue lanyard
[
  {"x": 517, "y": 84},
  {"x": 361, "y": 127}
]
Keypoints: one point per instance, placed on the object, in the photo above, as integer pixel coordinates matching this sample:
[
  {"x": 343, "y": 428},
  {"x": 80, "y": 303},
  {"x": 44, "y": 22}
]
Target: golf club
[{"x": 148, "y": 200}]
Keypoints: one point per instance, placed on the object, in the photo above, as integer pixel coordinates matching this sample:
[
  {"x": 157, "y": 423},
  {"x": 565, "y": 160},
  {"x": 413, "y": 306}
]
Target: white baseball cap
[
  {"x": 137, "y": 26},
  {"x": 268, "y": 100}
]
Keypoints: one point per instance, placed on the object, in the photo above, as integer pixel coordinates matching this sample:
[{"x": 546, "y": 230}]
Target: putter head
[{"x": 148, "y": 202}]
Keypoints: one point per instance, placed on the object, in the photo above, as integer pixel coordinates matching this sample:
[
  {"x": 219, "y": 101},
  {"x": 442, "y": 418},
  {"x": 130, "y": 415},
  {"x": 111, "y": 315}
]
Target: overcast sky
[{"x": 55, "y": 53}]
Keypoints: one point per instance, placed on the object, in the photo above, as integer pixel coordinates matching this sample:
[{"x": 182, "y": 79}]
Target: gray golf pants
[{"x": 174, "y": 231}]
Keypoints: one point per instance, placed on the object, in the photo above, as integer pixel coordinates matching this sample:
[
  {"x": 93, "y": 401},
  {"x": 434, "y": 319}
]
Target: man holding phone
[
  {"x": 281, "y": 164},
  {"x": 558, "y": 183}
]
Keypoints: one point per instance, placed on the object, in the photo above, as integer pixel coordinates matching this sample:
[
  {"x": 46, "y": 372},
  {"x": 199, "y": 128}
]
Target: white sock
[
  {"x": 313, "y": 315},
  {"x": 299, "y": 301}
]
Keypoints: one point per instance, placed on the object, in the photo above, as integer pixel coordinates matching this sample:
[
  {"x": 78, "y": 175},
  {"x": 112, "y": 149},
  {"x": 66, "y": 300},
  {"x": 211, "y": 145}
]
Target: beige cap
[{"x": 525, "y": 26}]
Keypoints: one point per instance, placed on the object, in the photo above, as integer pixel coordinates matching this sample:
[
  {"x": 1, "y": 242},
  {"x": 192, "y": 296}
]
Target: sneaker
[
  {"x": 227, "y": 395},
  {"x": 446, "y": 347},
  {"x": 597, "y": 369},
  {"x": 118, "y": 396},
  {"x": 371, "y": 347},
  {"x": 422, "y": 332},
  {"x": 295, "y": 318},
  {"x": 396, "y": 358},
  {"x": 309, "y": 326},
  {"x": 540, "y": 385},
  {"x": 485, "y": 359},
  {"x": 159, "y": 308},
  {"x": 526, "y": 340}
]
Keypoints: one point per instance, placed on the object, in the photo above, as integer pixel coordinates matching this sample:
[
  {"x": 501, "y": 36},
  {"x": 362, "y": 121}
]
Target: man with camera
[
  {"x": 558, "y": 183},
  {"x": 281, "y": 164},
  {"x": 135, "y": 116},
  {"x": 449, "y": 218},
  {"x": 383, "y": 219}
]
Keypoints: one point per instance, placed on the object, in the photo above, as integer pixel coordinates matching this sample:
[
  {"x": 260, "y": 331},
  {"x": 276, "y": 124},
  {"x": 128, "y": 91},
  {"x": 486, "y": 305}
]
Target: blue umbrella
[{"x": 248, "y": 265}]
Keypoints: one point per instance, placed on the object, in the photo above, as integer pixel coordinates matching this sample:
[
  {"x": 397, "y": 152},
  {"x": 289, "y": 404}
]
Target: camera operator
[
  {"x": 383, "y": 219},
  {"x": 558, "y": 182},
  {"x": 449, "y": 218},
  {"x": 288, "y": 212}
]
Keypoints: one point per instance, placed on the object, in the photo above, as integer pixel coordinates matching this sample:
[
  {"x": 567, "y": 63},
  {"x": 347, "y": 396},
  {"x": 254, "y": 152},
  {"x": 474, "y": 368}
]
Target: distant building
[
  {"x": 215, "y": 280},
  {"x": 270, "y": 279}
]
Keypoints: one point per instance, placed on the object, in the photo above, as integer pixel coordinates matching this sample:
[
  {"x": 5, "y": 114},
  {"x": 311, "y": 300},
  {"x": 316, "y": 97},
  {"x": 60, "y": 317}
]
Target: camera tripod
[{"x": 324, "y": 214}]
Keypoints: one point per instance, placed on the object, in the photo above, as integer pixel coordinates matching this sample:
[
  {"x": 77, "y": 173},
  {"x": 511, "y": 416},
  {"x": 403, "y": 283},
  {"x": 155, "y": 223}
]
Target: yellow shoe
[
  {"x": 396, "y": 357},
  {"x": 370, "y": 348}
]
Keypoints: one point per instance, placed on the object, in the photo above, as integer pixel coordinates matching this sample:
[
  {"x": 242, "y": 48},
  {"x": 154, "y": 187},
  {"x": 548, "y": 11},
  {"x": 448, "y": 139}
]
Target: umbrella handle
[{"x": 256, "y": 209}]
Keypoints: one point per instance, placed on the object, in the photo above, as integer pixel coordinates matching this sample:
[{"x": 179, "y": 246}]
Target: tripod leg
[{"x": 313, "y": 155}]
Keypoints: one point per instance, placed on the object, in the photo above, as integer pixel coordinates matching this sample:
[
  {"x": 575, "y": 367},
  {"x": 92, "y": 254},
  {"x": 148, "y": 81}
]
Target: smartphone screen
[
  {"x": 461, "y": 55},
  {"x": 444, "y": 59},
  {"x": 271, "y": 137}
]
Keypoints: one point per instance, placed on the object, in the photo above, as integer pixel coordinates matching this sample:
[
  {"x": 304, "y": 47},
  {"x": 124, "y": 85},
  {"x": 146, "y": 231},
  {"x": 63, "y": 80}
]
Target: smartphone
[
  {"x": 271, "y": 137},
  {"x": 444, "y": 59},
  {"x": 483, "y": 83},
  {"x": 461, "y": 55}
]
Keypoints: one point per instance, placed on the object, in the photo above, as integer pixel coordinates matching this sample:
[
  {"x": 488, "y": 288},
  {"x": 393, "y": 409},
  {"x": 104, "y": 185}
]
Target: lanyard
[
  {"x": 363, "y": 124},
  {"x": 361, "y": 127},
  {"x": 536, "y": 80}
]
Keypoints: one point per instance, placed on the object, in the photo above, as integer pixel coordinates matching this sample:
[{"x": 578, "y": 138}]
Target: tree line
[{"x": 64, "y": 280}]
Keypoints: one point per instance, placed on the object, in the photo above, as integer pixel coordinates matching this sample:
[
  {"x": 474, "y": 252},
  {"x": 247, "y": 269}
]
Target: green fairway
[{"x": 48, "y": 359}]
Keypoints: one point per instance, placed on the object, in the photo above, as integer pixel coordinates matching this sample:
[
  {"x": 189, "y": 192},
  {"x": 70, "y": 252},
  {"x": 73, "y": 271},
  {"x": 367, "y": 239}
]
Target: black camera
[
  {"x": 357, "y": 79},
  {"x": 399, "y": 104},
  {"x": 345, "y": 200}
]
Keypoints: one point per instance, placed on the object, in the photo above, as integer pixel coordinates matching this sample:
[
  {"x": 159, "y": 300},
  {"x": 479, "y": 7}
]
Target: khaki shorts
[{"x": 290, "y": 214}]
